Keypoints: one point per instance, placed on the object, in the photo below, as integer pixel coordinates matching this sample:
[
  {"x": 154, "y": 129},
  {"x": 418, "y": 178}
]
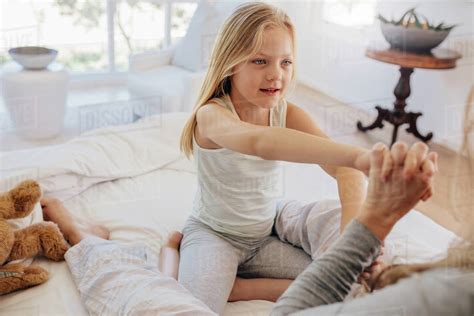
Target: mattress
[{"x": 144, "y": 198}]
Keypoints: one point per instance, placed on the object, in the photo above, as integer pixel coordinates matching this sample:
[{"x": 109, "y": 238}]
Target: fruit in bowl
[
  {"x": 413, "y": 33},
  {"x": 33, "y": 57}
]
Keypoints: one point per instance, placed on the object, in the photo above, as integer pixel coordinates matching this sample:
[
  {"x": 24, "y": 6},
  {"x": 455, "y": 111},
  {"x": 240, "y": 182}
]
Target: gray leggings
[{"x": 211, "y": 260}]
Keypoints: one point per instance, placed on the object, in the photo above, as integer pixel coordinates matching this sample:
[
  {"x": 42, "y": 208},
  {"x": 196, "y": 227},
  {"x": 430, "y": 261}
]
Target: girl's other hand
[
  {"x": 363, "y": 162},
  {"x": 369, "y": 275}
]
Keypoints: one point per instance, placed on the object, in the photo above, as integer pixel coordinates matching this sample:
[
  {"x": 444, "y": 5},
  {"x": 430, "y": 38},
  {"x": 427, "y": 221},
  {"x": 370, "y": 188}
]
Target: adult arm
[
  {"x": 328, "y": 279},
  {"x": 436, "y": 292}
]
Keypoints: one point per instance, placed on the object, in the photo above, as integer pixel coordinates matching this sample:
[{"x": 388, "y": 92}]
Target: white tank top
[{"x": 237, "y": 193}]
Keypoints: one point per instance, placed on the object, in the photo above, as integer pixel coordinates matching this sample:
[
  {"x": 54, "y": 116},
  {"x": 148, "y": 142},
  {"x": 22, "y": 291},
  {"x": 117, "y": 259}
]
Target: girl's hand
[
  {"x": 398, "y": 179},
  {"x": 398, "y": 153},
  {"x": 368, "y": 276},
  {"x": 362, "y": 162}
]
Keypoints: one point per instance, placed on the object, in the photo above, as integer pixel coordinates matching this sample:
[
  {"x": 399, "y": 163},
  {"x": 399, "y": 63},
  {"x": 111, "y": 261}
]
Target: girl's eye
[
  {"x": 262, "y": 62},
  {"x": 259, "y": 61}
]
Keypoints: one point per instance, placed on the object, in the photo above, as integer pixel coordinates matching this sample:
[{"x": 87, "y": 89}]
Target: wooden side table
[{"x": 437, "y": 59}]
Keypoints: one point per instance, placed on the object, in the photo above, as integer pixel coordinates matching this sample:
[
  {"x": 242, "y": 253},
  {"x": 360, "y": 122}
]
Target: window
[
  {"x": 138, "y": 27},
  {"x": 349, "y": 12},
  {"x": 93, "y": 35},
  {"x": 182, "y": 14}
]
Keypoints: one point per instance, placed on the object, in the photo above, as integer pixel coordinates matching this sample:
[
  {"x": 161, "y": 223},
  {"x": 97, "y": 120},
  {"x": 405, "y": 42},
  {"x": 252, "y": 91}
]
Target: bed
[{"x": 133, "y": 180}]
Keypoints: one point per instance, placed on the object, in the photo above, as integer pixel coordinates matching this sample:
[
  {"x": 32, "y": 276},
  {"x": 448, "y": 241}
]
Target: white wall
[{"x": 331, "y": 59}]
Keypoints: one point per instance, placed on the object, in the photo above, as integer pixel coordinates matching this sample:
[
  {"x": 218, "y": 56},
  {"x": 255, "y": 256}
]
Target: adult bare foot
[{"x": 73, "y": 231}]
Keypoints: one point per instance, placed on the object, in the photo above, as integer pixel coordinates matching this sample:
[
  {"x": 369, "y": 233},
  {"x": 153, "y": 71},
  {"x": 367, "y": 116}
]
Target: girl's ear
[{"x": 227, "y": 84}]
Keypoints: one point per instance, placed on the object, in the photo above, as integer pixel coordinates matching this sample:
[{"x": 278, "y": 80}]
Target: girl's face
[{"x": 264, "y": 78}]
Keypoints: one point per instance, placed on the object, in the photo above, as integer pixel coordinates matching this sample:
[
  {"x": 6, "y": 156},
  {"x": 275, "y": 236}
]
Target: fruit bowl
[
  {"x": 414, "y": 32},
  {"x": 412, "y": 39}
]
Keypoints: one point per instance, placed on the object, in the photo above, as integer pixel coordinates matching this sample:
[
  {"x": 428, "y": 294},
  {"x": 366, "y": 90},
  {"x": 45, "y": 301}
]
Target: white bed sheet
[{"x": 148, "y": 206}]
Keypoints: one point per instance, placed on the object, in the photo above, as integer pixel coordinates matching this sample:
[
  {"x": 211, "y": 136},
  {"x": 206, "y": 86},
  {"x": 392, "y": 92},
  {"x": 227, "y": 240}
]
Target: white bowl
[{"x": 33, "y": 57}]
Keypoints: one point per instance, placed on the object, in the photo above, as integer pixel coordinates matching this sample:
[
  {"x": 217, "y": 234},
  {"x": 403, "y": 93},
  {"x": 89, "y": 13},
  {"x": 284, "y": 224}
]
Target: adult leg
[
  {"x": 208, "y": 264},
  {"x": 118, "y": 279}
]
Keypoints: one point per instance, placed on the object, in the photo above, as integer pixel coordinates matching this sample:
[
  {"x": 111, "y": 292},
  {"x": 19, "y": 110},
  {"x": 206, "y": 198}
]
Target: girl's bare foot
[
  {"x": 169, "y": 255},
  {"x": 174, "y": 240},
  {"x": 73, "y": 231}
]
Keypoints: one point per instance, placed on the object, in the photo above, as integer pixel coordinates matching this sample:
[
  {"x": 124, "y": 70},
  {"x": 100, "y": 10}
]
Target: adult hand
[{"x": 398, "y": 179}]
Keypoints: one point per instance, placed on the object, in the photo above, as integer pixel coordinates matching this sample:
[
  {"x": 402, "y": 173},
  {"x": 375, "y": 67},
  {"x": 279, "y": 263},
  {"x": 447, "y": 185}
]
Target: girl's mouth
[{"x": 270, "y": 92}]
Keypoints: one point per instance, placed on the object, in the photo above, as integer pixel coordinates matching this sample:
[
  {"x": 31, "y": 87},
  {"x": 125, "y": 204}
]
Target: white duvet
[{"x": 133, "y": 180}]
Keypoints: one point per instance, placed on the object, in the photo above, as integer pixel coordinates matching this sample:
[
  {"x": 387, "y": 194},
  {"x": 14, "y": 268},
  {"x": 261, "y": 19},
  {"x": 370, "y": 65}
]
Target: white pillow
[{"x": 194, "y": 49}]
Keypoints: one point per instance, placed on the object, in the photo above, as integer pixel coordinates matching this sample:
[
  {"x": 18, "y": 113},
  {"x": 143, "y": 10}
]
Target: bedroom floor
[{"x": 335, "y": 118}]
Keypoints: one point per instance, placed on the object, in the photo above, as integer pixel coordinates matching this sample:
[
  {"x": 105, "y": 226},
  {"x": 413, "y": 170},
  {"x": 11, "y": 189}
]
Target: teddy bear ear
[
  {"x": 21, "y": 200},
  {"x": 30, "y": 188}
]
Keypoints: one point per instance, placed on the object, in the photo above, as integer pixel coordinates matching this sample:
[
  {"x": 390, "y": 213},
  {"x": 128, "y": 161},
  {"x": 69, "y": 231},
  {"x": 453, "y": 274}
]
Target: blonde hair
[
  {"x": 240, "y": 37},
  {"x": 460, "y": 255}
]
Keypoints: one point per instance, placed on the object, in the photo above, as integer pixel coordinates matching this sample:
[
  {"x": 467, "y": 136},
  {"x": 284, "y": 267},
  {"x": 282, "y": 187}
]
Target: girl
[{"x": 241, "y": 125}]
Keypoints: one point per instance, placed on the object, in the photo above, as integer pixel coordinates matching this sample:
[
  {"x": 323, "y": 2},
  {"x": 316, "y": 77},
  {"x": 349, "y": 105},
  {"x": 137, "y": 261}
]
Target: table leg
[
  {"x": 398, "y": 116},
  {"x": 381, "y": 116},
  {"x": 402, "y": 89},
  {"x": 412, "y": 117}
]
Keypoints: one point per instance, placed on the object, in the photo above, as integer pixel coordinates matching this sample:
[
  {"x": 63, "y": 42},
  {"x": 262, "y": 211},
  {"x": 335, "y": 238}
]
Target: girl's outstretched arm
[{"x": 220, "y": 126}]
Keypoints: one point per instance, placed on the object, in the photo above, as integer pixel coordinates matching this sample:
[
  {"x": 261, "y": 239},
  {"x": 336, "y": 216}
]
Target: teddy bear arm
[
  {"x": 41, "y": 238},
  {"x": 17, "y": 276}
]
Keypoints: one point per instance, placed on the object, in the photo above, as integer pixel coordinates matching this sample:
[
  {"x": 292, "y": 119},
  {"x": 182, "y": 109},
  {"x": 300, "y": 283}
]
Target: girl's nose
[
  {"x": 274, "y": 76},
  {"x": 274, "y": 73}
]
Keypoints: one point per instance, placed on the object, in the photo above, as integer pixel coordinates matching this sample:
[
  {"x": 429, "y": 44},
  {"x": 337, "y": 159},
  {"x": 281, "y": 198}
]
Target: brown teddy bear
[{"x": 38, "y": 239}]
